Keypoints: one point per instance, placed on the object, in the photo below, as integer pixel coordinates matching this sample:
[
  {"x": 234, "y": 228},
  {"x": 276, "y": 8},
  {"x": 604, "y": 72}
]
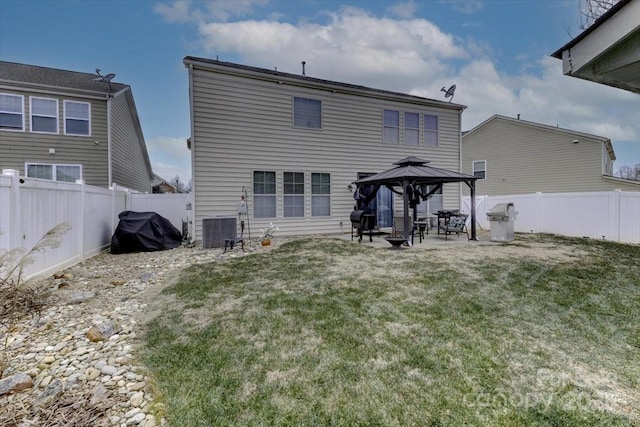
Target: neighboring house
[
  {"x": 160, "y": 185},
  {"x": 512, "y": 156},
  {"x": 64, "y": 125},
  {"x": 297, "y": 144},
  {"x": 608, "y": 52}
]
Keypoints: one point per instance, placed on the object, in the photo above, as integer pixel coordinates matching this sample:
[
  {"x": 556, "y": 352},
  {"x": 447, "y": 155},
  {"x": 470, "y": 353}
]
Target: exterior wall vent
[{"x": 216, "y": 229}]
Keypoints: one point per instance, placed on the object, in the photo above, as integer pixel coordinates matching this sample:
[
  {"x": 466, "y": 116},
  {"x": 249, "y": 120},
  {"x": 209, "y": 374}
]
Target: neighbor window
[
  {"x": 44, "y": 115},
  {"x": 307, "y": 113},
  {"x": 11, "y": 112},
  {"x": 480, "y": 169},
  {"x": 293, "y": 194},
  {"x": 391, "y": 125},
  {"x": 77, "y": 118},
  {"x": 54, "y": 172},
  {"x": 264, "y": 194},
  {"x": 320, "y": 194},
  {"x": 411, "y": 128},
  {"x": 430, "y": 130}
]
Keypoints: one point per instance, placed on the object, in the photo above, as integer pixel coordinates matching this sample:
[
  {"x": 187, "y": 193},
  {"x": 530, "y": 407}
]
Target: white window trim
[
  {"x": 293, "y": 113},
  {"x": 54, "y": 167},
  {"x": 405, "y": 128},
  {"x": 303, "y": 195},
  {"x": 473, "y": 168},
  {"x": 430, "y": 131},
  {"x": 321, "y": 195},
  {"x": 274, "y": 195},
  {"x": 11, "y": 112},
  {"x": 397, "y": 128},
  {"x": 75, "y": 118},
  {"x": 31, "y": 115}
]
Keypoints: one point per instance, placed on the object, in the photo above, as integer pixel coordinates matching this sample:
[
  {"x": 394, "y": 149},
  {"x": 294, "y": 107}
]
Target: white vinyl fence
[
  {"x": 29, "y": 208},
  {"x": 609, "y": 215}
]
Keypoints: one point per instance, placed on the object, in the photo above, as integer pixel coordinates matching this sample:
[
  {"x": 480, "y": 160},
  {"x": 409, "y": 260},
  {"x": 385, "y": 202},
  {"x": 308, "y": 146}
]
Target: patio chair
[{"x": 456, "y": 224}]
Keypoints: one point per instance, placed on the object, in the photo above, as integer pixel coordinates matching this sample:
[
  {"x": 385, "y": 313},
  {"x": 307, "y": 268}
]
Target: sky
[{"x": 497, "y": 52}]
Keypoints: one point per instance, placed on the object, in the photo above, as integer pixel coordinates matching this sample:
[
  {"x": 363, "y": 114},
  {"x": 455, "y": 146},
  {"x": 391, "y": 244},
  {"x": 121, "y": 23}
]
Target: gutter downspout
[
  {"x": 109, "y": 163},
  {"x": 192, "y": 194}
]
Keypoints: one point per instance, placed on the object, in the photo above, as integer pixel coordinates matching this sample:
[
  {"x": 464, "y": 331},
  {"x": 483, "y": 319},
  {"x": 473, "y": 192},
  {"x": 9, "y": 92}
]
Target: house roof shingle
[
  {"x": 313, "y": 81},
  {"x": 52, "y": 77}
]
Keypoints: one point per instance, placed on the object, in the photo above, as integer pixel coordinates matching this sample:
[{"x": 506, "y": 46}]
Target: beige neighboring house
[
  {"x": 65, "y": 125},
  {"x": 608, "y": 52},
  {"x": 297, "y": 143},
  {"x": 512, "y": 156}
]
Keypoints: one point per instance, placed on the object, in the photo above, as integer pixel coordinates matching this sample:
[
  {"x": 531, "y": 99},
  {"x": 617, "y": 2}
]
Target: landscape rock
[
  {"x": 101, "y": 331},
  {"x": 50, "y": 394},
  {"x": 56, "y": 354},
  {"x": 15, "y": 383}
]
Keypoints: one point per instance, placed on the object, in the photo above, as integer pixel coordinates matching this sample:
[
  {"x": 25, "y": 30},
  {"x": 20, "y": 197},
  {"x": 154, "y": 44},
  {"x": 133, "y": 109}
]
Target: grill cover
[
  {"x": 144, "y": 232},
  {"x": 356, "y": 217}
]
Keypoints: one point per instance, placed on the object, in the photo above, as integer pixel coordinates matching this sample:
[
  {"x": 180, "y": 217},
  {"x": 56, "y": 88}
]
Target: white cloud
[
  {"x": 179, "y": 11},
  {"x": 466, "y": 6},
  {"x": 352, "y": 46},
  {"x": 404, "y": 10},
  {"x": 218, "y": 10}
]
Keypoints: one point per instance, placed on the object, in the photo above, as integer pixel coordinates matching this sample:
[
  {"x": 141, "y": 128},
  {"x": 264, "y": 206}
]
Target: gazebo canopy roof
[{"x": 416, "y": 171}]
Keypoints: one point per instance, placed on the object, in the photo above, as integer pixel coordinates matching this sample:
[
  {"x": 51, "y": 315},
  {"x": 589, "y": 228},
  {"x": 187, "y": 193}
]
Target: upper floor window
[
  {"x": 391, "y": 124},
  {"x": 11, "y": 112},
  {"x": 320, "y": 194},
  {"x": 293, "y": 194},
  {"x": 480, "y": 169},
  {"x": 264, "y": 194},
  {"x": 430, "y": 130},
  {"x": 44, "y": 115},
  {"x": 411, "y": 128},
  {"x": 54, "y": 172},
  {"x": 77, "y": 118},
  {"x": 307, "y": 113}
]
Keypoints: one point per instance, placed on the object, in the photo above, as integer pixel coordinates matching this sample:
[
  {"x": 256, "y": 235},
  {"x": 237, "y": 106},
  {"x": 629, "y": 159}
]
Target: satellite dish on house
[
  {"x": 448, "y": 93},
  {"x": 106, "y": 79}
]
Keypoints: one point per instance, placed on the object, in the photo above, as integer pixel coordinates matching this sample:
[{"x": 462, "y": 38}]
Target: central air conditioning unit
[{"x": 216, "y": 229}]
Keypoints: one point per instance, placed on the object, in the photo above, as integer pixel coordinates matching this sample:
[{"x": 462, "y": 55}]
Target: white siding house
[
  {"x": 296, "y": 144},
  {"x": 512, "y": 156}
]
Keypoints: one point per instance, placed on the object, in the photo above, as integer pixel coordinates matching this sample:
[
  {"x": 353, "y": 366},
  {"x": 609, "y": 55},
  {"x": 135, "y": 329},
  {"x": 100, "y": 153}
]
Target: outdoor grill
[
  {"x": 501, "y": 218},
  {"x": 362, "y": 221}
]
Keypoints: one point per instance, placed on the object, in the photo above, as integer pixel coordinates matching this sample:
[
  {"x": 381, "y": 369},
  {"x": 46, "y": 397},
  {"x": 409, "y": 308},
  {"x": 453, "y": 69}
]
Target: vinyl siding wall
[
  {"x": 18, "y": 148},
  {"x": 522, "y": 158},
  {"x": 129, "y": 168},
  {"x": 242, "y": 125}
]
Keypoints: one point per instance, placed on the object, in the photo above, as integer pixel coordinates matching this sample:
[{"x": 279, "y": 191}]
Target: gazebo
[{"x": 410, "y": 178}]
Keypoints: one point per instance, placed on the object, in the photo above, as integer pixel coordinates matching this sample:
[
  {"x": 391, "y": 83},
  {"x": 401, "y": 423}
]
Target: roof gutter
[{"x": 53, "y": 90}]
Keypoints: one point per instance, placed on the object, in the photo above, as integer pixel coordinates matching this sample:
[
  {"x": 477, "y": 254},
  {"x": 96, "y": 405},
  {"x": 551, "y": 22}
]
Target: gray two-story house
[
  {"x": 297, "y": 143},
  {"x": 65, "y": 125}
]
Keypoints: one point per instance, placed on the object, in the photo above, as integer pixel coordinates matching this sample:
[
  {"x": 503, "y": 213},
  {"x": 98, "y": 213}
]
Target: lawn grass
[{"x": 544, "y": 331}]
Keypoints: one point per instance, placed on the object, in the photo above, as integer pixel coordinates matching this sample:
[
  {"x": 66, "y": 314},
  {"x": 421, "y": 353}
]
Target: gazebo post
[
  {"x": 407, "y": 221},
  {"x": 472, "y": 185}
]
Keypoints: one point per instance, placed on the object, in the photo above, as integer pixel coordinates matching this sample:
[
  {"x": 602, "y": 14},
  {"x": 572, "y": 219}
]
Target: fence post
[
  {"x": 15, "y": 216},
  {"x": 83, "y": 218},
  {"x": 536, "y": 210},
  {"x": 617, "y": 212}
]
